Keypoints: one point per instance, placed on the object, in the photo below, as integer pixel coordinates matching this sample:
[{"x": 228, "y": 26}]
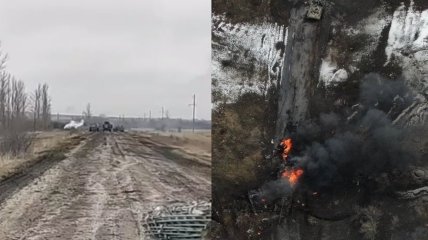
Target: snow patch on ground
[
  {"x": 330, "y": 75},
  {"x": 327, "y": 71},
  {"x": 246, "y": 57},
  {"x": 408, "y": 44},
  {"x": 409, "y": 31},
  {"x": 370, "y": 29},
  {"x": 260, "y": 39}
]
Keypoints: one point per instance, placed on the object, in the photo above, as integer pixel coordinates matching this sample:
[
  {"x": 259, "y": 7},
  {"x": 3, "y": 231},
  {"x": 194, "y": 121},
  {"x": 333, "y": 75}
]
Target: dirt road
[{"x": 100, "y": 191}]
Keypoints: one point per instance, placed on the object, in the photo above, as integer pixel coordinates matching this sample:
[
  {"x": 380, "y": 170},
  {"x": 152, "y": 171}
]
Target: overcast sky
[{"x": 122, "y": 56}]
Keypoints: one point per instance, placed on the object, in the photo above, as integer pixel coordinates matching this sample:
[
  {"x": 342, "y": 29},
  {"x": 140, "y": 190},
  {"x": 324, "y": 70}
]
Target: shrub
[
  {"x": 15, "y": 142},
  {"x": 369, "y": 219}
]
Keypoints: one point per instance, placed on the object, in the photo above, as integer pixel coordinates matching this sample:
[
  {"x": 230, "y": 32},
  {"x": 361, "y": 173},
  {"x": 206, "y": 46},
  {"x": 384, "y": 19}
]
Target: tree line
[{"x": 20, "y": 110}]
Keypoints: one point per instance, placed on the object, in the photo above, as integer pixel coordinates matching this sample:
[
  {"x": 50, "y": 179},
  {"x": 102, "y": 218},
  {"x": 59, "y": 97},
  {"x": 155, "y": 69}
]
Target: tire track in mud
[
  {"x": 151, "y": 167},
  {"x": 128, "y": 180},
  {"x": 42, "y": 164},
  {"x": 102, "y": 192},
  {"x": 186, "y": 173}
]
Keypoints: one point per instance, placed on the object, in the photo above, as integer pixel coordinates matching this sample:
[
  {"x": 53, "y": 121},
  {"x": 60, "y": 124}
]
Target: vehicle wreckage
[
  {"x": 288, "y": 170},
  {"x": 315, "y": 9}
]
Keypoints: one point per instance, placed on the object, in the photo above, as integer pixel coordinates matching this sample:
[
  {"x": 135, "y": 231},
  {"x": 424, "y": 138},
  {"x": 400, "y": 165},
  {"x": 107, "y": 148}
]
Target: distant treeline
[
  {"x": 165, "y": 124},
  {"x": 21, "y": 110}
]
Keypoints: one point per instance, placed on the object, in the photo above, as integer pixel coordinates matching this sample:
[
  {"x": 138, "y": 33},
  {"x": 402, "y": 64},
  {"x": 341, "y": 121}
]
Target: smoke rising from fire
[
  {"x": 348, "y": 145},
  {"x": 271, "y": 191},
  {"x": 336, "y": 149},
  {"x": 378, "y": 92}
]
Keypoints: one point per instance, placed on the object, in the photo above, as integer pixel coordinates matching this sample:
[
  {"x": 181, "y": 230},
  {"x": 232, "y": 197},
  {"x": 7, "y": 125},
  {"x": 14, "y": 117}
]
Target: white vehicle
[{"x": 74, "y": 125}]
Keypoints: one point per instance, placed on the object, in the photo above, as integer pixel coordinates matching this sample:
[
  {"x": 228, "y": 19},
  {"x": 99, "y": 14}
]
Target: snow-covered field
[
  {"x": 408, "y": 43},
  {"x": 372, "y": 26},
  {"x": 254, "y": 48},
  {"x": 246, "y": 56},
  {"x": 409, "y": 31}
]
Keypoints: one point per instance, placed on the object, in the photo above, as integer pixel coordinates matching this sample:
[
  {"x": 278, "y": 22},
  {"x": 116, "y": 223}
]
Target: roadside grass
[
  {"x": 45, "y": 147},
  {"x": 193, "y": 142},
  {"x": 187, "y": 147},
  {"x": 170, "y": 153},
  {"x": 241, "y": 135},
  {"x": 9, "y": 164},
  {"x": 238, "y": 133},
  {"x": 180, "y": 156},
  {"x": 48, "y": 140}
]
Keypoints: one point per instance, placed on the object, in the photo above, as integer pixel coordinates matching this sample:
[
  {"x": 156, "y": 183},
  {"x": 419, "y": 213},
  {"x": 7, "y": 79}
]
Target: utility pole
[
  {"x": 162, "y": 112},
  {"x": 194, "y": 109},
  {"x": 150, "y": 114}
]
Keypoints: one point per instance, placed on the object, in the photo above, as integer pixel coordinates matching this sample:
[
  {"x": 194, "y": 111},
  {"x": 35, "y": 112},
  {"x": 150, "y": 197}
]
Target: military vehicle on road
[{"x": 107, "y": 126}]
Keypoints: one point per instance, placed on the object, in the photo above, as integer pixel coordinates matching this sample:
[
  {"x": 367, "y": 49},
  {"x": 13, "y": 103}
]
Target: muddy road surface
[{"x": 100, "y": 191}]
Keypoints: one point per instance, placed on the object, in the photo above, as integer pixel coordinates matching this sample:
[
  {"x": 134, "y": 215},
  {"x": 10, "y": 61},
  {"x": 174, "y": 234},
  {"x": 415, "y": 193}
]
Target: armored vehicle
[
  {"x": 107, "y": 126},
  {"x": 94, "y": 128},
  {"x": 315, "y": 10}
]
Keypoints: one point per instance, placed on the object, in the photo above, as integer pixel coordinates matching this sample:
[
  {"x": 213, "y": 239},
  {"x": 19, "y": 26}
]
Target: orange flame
[
  {"x": 288, "y": 145},
  {"x": 293, "y": 175}
]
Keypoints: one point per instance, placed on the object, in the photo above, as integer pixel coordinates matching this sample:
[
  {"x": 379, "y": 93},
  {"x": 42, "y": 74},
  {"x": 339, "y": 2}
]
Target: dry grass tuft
[
  {"x": 48, "y": 140},
  {"x": 369, "y": 220},
  {"x": 9, "y": 163},
  {"x": 196, "y": 144},
  {"x": 41, "y": 143}
]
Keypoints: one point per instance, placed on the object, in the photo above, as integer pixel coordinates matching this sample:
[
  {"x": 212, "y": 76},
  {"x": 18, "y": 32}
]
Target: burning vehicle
[
  {"x": 284, "y": 148},
  {"x": 290, "y": 172},
  {"x": 331, "y": 153},
  {"x": 289, "y": 175}
]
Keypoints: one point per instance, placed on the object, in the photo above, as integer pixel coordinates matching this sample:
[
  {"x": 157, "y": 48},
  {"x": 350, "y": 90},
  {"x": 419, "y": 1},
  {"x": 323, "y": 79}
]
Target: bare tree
[
  {"x": 22, "y": 100},
  {"x": 36, "y": 99},
  {"x": 4, "y": 96},
  {"x": 88, "y": 113},
  {"x": 46, "y": 106},
  {"x": 18, "y": 101},
  {"x": 13, "y": 108},
  {"x": 8, "y": 102},
  {"x": 3, "y": 59}
]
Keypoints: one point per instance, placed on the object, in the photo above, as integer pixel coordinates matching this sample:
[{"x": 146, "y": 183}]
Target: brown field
[
  {"x": 42, "y": 143},
  {"x": 188, "y": 145}
]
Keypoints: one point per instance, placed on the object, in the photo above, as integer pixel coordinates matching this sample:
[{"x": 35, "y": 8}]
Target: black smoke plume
[
  {"x": 349, "y": 148},
  {"x": 357, "y": 143}
]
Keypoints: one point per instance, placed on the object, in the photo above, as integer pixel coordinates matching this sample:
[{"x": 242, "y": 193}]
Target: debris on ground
[{"x": 178, "y": 221}]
